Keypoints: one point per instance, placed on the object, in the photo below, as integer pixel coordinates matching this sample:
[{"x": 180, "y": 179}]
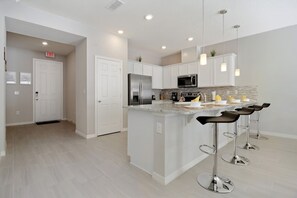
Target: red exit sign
[{"x": 50, "y": 54}]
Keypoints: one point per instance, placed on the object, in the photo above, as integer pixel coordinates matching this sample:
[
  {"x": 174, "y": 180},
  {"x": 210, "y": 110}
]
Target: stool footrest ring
[
  {"x": 229, "y": 135},
  {"x": 209, "y": 147}
]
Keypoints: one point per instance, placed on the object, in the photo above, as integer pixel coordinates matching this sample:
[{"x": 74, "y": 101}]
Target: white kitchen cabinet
[
  {"x": 226, "y": 78},
  {"x": 157, "y": 77},
  {"x": 130, "y": 68},
  {"x": 147, "y": 70},
  {"x": 210, "y": 75},
  {"x": 166, "y": 77},
  {"x": 137, "y": 68},
  {"x": 193, "y": 68},
  {"x": 174, "y": 75},
  {"x": 183, "y": 69},
  {"x": 205, "y": 74}
]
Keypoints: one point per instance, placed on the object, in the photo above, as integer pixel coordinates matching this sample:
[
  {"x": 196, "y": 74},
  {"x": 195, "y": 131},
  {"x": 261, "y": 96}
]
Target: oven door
[{"x": 187, "y": 81}]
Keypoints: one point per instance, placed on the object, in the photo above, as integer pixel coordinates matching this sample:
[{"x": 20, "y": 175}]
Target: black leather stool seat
[
  {"x": 245, "y": 111},
  {"x": 265, "y": 105},
  {"x": 226, "y": 117},
  {"x": 256, "y": 107}
]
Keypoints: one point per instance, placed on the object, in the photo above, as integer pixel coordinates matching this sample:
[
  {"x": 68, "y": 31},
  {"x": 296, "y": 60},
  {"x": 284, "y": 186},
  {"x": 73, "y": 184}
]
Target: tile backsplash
[{"x": 250, "y": 91}]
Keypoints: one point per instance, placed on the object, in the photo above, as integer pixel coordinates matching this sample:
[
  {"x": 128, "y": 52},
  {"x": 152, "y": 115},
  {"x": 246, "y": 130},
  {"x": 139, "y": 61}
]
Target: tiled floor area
[{"x": 51, "y": 161}]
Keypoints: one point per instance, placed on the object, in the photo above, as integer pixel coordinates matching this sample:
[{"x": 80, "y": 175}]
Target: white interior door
[
  {"x": 48, "y": 90},
  {"x": 109, "y": 113}
]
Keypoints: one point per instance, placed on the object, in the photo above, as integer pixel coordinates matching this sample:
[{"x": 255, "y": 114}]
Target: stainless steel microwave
[{"x": 187, "y": 81}]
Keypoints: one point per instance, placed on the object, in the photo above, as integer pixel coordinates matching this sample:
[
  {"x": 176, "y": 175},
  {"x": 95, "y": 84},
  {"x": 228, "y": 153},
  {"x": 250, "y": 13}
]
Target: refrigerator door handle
[{"x": 140, "y": 93}]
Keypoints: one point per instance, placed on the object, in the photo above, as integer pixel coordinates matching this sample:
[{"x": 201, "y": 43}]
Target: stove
[{"x": 190, "y": 95}]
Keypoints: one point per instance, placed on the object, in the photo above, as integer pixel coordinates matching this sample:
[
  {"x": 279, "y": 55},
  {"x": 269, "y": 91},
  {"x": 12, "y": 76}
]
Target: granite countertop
[{"x": 183, "y": 109}]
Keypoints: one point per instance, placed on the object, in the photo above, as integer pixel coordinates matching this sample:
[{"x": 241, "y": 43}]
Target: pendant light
[
  {"x": 203, "y": 56},
  {"x": 224, "y": 64},
  {"x": 237, "y": 70}
]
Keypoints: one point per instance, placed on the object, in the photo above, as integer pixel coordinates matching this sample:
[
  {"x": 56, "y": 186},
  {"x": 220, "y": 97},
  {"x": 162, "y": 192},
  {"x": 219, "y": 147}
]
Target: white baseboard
[
  {"x": 19, "y": 123},
  {"x": 282, "y": 135},
  {"x": 2, "y": 153},
  {"x": 166, "y": 180},
  {"x": 124, "y": 129},
  {"x": 86, "y": 136}
]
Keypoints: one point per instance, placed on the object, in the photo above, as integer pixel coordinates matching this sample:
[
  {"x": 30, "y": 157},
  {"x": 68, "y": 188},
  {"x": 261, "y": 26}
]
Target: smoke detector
[{"x": 115, "y": 4}]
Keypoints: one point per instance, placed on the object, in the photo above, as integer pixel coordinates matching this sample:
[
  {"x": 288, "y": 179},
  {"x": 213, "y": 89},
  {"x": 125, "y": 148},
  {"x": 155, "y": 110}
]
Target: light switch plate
[
  {"x": 16, "y": 93},
  {"x": 159, "y": 128}
]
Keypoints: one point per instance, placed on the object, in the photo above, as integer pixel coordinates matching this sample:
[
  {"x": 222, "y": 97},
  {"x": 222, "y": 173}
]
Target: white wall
[
  {"x": 2, "y": 86},
  {"x": 21, "y": 60},
  {"x": 269, "y": 61},
  {"x": 70, "y": 86},
  {"x": 97, "y": 43},
  {"x": 147, "y": 56}
]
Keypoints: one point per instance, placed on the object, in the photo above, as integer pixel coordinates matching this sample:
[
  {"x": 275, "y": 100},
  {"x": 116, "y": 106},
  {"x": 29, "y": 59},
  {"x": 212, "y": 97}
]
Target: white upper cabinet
[
  {"x": 137, "y": 68},
  {"x": 157, "y": 77},
  {"x": 226, "y": 78},
  {"x": 182, "y": 69},
  {"x": 205, "y": 74},
  {"x": 174, "y": 75},
  {"x": 147, "y": 70},
  {"x": 210, "y": 75},
  {"x": 193, "y": 68},
  {"x": 166, "y": 77},
  {"x": 130, "y": 68}
]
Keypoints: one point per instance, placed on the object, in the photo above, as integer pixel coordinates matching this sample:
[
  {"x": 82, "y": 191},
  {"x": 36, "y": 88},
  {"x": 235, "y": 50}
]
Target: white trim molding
[
  {"x": 277, "y": 134},
  {"x": 19, "y": 123},
  {"x": 124, "y": 129},
  {"x": 86, "y": 136}
]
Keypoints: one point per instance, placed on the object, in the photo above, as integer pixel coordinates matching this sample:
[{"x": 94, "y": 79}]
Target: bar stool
[
  {"x": 213, "y": 182},
  {"x": 235, "y": 158},
  {"x": 248, "y": 145},
  {"x": 258, "y": 109}
]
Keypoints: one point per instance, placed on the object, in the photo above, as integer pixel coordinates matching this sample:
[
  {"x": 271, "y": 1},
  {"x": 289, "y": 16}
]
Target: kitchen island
[{"x": 164, "y": 139}]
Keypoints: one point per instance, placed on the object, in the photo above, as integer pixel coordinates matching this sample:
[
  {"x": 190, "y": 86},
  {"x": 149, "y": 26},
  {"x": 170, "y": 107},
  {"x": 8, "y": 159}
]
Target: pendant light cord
[
  {"x": 224, "y": 36},
  {"x": 237, "y": 47},
  {"x": 202, "y": 26}
]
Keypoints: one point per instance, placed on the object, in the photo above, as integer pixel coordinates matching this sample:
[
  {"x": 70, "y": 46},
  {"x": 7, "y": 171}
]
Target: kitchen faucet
[{"x": 202, "y": 96}]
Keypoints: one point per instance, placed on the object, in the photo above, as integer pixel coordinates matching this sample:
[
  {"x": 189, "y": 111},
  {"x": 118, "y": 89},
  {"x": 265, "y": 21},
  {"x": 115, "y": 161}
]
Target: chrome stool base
[
  {"x": 236, "y": 159},
  {"x": 258, "y": 137},
  {"x": 249, "y": 147},
  {"x": 215, "y": 183}
]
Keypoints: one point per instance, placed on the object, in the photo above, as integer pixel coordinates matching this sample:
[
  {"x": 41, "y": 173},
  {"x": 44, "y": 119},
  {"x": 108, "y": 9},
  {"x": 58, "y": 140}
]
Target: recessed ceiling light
[
  {"x": 121, "y": 32},
  {"x": 190, "y": 39},
  {"x": 164, "y": 47},
  {"x": 44, "y": 43},
  {"x": 149, "y": 17}
]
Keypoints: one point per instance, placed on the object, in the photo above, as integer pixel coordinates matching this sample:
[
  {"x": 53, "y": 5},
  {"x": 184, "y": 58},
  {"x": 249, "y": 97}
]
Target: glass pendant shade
[
  {"x": 223, "y": 67},
  {"x": 203, "y": 59},
  {"x": 237, "y": 72}
]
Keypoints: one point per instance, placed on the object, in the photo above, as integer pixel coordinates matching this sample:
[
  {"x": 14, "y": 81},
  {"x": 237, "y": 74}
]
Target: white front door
[
  {"x": 48, "y": 90},
  {"x": 109, "y": 113}
]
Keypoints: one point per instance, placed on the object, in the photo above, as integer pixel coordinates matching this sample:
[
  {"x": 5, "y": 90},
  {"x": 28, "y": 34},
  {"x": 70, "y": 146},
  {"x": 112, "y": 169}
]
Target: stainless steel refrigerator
[{"x": 139, "y": 89}]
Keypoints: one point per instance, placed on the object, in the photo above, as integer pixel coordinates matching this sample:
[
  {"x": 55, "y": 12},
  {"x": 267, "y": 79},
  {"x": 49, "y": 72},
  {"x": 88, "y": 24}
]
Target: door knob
[{"x": 99, "y": 101}]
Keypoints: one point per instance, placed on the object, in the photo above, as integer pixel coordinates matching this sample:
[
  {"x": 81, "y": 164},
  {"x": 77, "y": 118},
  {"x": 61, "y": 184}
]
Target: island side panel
[{"x": 141, "y": 139}]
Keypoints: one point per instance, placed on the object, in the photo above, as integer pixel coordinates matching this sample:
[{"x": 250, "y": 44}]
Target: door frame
[
  {"x": 34, "y": 86},
  {"x": 97, "y": 86}
]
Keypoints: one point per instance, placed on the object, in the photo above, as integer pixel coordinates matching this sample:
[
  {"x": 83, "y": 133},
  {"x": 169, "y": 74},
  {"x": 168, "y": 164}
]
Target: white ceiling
[
  {"x": 175, "y": 20},
  {"x": 35, "y": 44}
]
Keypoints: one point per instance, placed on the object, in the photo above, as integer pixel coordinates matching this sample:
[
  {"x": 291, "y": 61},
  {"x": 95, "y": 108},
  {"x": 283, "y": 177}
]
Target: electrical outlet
[
  {"x": 16, "y": 93},
  {"x": 159, "y": 128},
  {"x": 228, "y": 92},
  {"x": 17, "y": 112},
  {"x": 236, "y": 92}
]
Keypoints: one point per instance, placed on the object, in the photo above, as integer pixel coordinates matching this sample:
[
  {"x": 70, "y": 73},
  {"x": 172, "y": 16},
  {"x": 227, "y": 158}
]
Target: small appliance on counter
[
  {"x": 191, "y": 95},
  {"x": 174, "y": 96}
]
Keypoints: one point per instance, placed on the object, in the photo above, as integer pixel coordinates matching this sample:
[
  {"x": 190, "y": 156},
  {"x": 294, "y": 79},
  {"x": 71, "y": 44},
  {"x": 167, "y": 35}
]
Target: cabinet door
[
  {"x": 193, "y": 68},
  {"x": 138, "y": 68},
  {"x": 157, "y": 78},
  {"x": 205, "y": 74},
  {"x": 147, "y": 70},
  {"x": 166, "y": 77},
  {"x": 130, "y": 68},
  {"x": 183, "y": 69},
  {"x": 174, "y": 74},
  {"x": 224, "y": 78}
]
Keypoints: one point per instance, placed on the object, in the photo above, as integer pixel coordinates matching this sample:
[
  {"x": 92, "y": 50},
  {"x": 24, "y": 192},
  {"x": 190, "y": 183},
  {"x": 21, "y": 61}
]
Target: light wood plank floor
[{"x": 51, "y": 161}]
